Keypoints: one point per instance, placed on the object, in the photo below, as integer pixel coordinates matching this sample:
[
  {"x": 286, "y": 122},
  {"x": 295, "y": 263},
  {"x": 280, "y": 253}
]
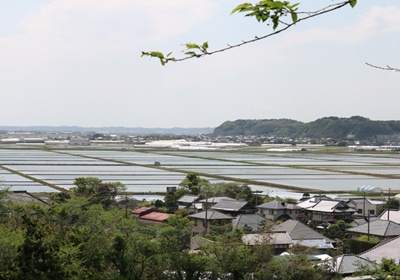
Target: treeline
[
  {"x": 328, "y": 127},
  {"x": 86, "y": 235}
]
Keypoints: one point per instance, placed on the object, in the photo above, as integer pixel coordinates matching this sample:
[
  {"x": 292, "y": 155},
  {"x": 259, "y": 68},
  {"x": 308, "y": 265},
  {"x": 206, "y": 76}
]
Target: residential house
[
  {"x": 388, "y": 250},
  {"x": 312, "y": 201},
  {"x": 360, "y": 221},
  {"x": 329, "y": 211},
  {"x": 391, "y": 215},
  {"x": 305, "y": 236},
  {"x": 234, "y": 207},
  {"x": 374, "y": 207},
  {"x": 252, "y": 221},
  {"x": 189, "y": 202},
  {"x": 279, "y": 210},
  {"x": 280, "y": 240},
  {"x": 153, "y": 218},
  {"x": 25, "y": 197},
  {"x": 379, "y": 228},
  {"x": 211, "y": 201},
  {"x": 206, "y": 219},
  {"x": 349, "y": 264},
  {"x": 143, "y": 211}
]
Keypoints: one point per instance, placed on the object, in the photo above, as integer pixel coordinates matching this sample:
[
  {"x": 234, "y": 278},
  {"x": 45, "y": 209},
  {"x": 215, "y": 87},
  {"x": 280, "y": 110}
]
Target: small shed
[{"x": 369, "y": 189}]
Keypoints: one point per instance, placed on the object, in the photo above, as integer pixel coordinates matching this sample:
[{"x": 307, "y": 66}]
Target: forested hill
[{"x": 333, "y": 127}]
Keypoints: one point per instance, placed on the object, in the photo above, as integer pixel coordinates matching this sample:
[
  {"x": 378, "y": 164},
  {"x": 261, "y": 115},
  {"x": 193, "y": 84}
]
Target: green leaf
[
  {"x": 353, "y": 3},
  {"x": 157, "y": 54},
  {"x": 240, "y": 7},
  {"x": 169, "y": 54},
  {"x": 162, "y": 62},
  {"x": 192, "y": 46},
  {"x": 275, "y": 20},
  {"x": 276, "y": 5},
  {"x": 294, "y": 18},
  {"x": 191, "y": 53}
]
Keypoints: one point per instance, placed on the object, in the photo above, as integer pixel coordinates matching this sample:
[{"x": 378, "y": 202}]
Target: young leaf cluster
[{"x": 269, "y": 9}]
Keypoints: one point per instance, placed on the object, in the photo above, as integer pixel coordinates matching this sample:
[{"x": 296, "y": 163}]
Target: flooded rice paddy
[{"x": 261, "y": 170}]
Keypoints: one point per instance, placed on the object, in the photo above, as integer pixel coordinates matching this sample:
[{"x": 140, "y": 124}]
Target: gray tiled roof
[
  {"x": 211, "y": 215},
  {"x": 23, "y": 197},
  {"x": 276, "y": 204},
  {"x": 276, "y": 238},
  {"x": 188, "y": 198},
  {"x": 216, "y": 199},
  {"x": 394, "y": 215},
  {"x": 331, "y": 206},
  {"x": 229, "y": 205},
  {"x": 349, "y": 263},
  {"x": 298, "y": 230},
  {"x": 389, "y": 250},
  {"x": 251, "y": 220},
  {"x": 361, "y": 221},
  {"x": 197, "y": 242},
  {"x": 378, "y": 228}
]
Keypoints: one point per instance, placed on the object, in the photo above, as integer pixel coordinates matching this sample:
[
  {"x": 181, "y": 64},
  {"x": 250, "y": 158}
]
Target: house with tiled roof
[
  {"x": 143, "y": 211},
  {"x": 349, "y": 264},
  {"x": 279, "y": 210},
  {"x": 329, "y": 211},
  {"x": 388, "y": 250},
  {"x": 153, "y": 218},
  {"x": 212, "y": 201},
  {"x": 206, "y": 219},
  {"x": 234, "y": 207},
  {"x": 361, "y": 204},
  {"x": 379, "y": 228},
  {"x": 305, "y": 236},
  {"x": 280, "y": 240},
  {"x": 189, "y": 202},
  {"x": 25, "y": 197},
  {"x": 391, "y": 215},
  {"x": 251, "y": 221}
]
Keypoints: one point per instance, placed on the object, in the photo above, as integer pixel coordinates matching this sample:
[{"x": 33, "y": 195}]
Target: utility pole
[
  {"x": 126, "y": 206},
  {"x": 206, "y": 225},
  {"x": 364, "y": 207},
  {"x": 388, "y": 209},
  {"x": 368, "y": 225}
]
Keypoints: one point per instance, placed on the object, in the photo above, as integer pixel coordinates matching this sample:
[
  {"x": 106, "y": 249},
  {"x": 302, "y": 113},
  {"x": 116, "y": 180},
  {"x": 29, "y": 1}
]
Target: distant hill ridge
[
  {"x": 120, "y": 129},
  {"x": 333, "y": 127}
]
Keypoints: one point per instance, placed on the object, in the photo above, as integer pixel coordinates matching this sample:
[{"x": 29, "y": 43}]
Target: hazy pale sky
[{"x": 77, "y": 62}]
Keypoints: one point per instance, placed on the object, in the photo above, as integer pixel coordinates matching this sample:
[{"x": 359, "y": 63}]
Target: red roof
[
  {"x": 141, "y": 210},
  {"x": 155, "y": 216}
]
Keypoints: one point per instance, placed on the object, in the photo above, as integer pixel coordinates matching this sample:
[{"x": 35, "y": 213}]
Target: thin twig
[
  {"x": 387, "y": 67},
  {"x": 327, "y": 9}
]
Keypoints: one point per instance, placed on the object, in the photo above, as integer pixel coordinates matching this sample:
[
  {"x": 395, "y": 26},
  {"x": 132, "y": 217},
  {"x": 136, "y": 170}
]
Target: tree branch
[
  {"x": 204, "y": 51},
  {"x": 382, "y": 68}
]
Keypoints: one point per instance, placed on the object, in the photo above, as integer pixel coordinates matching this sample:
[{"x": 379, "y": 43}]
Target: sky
[{"x": 77, "y": 62}]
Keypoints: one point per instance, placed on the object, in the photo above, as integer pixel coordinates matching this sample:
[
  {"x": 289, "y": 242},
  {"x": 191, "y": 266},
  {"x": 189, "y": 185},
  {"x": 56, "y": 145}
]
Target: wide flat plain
[{"x": 262, "y": 170}]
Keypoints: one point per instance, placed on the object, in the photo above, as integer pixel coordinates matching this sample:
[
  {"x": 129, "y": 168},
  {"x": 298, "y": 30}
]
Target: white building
[{"x": 79, "y": 141}]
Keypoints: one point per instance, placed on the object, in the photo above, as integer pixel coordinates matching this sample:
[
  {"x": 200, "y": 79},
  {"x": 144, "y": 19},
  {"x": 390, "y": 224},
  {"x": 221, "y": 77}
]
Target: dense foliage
[
  {"x": 328, "y": 127},
  {"x": 83, "y": 236}
]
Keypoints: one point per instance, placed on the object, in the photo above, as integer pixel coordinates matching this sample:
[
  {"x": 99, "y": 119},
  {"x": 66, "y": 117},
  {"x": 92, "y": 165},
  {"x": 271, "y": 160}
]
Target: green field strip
[{"x": 34, "y": 179}]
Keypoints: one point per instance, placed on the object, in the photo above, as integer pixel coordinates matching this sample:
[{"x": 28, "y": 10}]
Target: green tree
[
  {"x": 39, "y": 255},
  {"x": 194, "y": 183},
  {"x": 96, "y": 191}
]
